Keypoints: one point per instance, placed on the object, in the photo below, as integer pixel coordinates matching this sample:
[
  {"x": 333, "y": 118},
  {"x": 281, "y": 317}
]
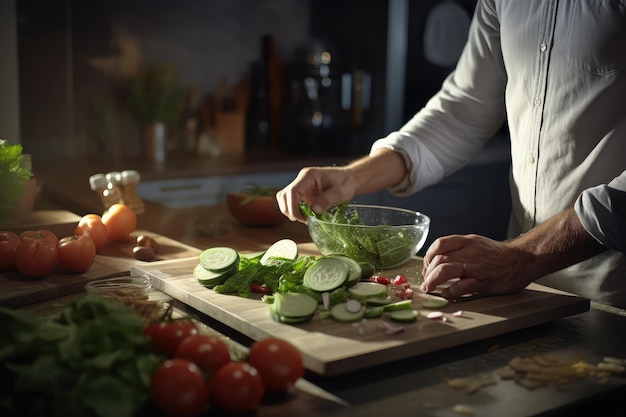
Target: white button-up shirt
[{"x": 556, "y": 71}]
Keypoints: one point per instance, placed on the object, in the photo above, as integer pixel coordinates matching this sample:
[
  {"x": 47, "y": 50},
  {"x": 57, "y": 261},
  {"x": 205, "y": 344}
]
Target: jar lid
[
  {"x": 114, "y": 177},
  {"x": 97, "y": 181},
  {"x": 130, "y": 175}
]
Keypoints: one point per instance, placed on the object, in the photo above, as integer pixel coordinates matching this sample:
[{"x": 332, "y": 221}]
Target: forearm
[
  {"x": 557, "y": 243},
  {"x": 382, "y": 169}
]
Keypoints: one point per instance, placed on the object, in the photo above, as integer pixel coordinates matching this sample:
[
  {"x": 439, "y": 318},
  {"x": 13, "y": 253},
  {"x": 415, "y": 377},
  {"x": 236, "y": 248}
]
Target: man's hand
[
  {"x": 488, "y": 267},
  {"x": 484, "y": 266}
]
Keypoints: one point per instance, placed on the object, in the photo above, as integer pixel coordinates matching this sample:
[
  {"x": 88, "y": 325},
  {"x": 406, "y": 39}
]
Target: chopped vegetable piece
[
  {"x": 340, "y": 313},
  {"x": 219, "y": 259},
  {"x": 404, "y": 316},
  {"x": 364, "y": 290},
  {"x": 398, "y": 305},
  {"x": 353, "y": 306},
  {"x": 295, "y": 305},
  {"x": 284, "y": 248},
  {"x": 326, "y": 274},
  {"x": 434, "y": 315},
  {"x": 373, "y": 312},
  {"x": 435, "y": 303},
  {"x": 209, "y": 278}
]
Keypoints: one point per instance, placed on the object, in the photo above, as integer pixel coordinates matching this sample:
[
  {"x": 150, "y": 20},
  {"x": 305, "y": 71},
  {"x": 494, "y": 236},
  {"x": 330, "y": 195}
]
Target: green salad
[{"x": 380, "y": 245}]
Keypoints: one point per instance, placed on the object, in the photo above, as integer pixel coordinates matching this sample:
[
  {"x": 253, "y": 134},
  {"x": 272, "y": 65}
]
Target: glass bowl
[
  {"x": 134, "y": 291},
  {"x": 381, "y": 236}
]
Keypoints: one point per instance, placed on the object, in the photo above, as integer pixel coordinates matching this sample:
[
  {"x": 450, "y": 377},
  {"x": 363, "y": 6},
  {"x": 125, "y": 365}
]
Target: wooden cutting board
[
  {"x": 114, "y": 259},
  {"x": 331, "y": 348}
]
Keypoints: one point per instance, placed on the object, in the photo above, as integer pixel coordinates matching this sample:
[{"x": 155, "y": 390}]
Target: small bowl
[
  {"x": 134, "y": 291},
  {"x": 254, "y": 210},
  {"x": 383, "y": 236},
  {"x": 132, "y": 287}
]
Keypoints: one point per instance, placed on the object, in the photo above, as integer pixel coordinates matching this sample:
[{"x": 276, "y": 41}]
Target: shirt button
[
  {"x": 543, "y": 47},
  {"x": 531, "y": 159},
  {"x": 537, "y": 102}
]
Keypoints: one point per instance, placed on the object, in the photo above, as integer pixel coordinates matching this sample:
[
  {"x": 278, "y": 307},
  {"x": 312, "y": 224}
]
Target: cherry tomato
[
  {"x": 120, "y": 221},
  {"x": 279, "y": 363},
  {"x": 209, "y": 352},
  {"x": 178, "y": 388},
  {"x": 167, "y": 335},
  {"x": 9, "y": 242},
  {"x": 237, "y": 388},
  {"x": 77, "y": 253},
  {"x": 92, "y": 224},
  {"x": 43, "y": 234},
  {"x": 36, "y": 255}
]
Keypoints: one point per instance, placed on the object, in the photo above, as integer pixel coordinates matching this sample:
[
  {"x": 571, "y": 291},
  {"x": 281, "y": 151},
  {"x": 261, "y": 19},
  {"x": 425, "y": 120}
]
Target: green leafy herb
[
  {"x": 381, "y": 245},
  {"x": 13, "y": 177},
  {"x": 90, "y": 359}
]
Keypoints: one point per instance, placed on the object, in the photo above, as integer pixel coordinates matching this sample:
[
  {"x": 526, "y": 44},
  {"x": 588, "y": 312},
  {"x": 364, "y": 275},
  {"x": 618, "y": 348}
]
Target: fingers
[
  {"x": 440, "y": 272},
  {"x": 318, "y": 187},
  {"x": 461, "y": 287},
  {"x": 440, "y": 249}
]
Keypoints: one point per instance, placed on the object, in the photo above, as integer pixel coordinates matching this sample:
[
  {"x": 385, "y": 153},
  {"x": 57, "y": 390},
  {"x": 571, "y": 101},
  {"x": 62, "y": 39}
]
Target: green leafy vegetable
[
  {"x": 14, "y": 175},
  {"x": 380, "y": 245},
  {"x": 90, "y": 359}
]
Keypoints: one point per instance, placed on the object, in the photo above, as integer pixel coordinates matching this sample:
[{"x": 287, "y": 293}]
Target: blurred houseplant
[
  {"x": 156, "y": 99},
  {"x": 15, "y": 175}
]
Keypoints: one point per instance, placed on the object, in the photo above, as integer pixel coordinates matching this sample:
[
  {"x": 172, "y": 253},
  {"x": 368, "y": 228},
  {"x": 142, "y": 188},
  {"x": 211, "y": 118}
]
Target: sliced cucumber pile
[
  {"x": 293, "y": 307},
  {"x": 216, "y": 265},
  {"x": 336, "y": 286}
]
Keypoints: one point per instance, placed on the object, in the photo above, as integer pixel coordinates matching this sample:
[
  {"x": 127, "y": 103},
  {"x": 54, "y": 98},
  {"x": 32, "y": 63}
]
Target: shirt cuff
[
  {"x": 600, "y": 210},
  {"x": 423, "y": 169}
]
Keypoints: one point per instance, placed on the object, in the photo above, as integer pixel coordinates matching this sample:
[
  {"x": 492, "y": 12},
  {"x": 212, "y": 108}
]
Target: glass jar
[{"x": 129, "y": 182}]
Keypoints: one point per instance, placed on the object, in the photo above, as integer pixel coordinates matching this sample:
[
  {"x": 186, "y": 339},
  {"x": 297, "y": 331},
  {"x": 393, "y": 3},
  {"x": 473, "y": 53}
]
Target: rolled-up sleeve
[{"x": 602, "y": 212}]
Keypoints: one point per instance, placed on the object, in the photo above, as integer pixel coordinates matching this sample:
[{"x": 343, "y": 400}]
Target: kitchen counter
[
  {"x": 417, "y": 386},
  {"x": 408, "y": 387}
]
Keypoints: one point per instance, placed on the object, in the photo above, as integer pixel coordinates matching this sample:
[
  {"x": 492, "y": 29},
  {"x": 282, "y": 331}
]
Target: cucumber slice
[
  {"x": 435, "y": 303},
  {"x": 326, "y": 274},
  {"x": 404, "y": 316},
  {"x": 373, "y": 312},
  {"x": 354, "y": 269},
  {"x": 211, "y": 279},
  {"x": 219, "y": 258},
  {"x": 295, "y": 305},
  {"x": 366, "y": 290},
  {"x": 253, "y": 255},
  {"x": 379, "y": 301},
  {"x": 398, "y": 305},
  {"x": 340, "y": 313},
  {"x": 367, "y": 270},
  {"x": 287, "y": 320},
  {"x": 284, "y": 248}
]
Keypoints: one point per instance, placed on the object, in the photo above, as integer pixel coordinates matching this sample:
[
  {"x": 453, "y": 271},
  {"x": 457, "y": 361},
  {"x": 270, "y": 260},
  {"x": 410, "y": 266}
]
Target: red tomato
[
  {"x": 209, "y": 352},
  {"x": 92, "y": 224},
  {"x": 77, "y": 253},
  {"x": 120, "y": 221},
  {"x": 178, "y": 388},
  {"x": 43, "y": 234},
  {"x": 237, "y": 388},
  {"x": 9, "y": 242},
  {"x": 36, "y": 255},
  {"x": 167, "y": 335},
  {"x": 279, "y": 363}
]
